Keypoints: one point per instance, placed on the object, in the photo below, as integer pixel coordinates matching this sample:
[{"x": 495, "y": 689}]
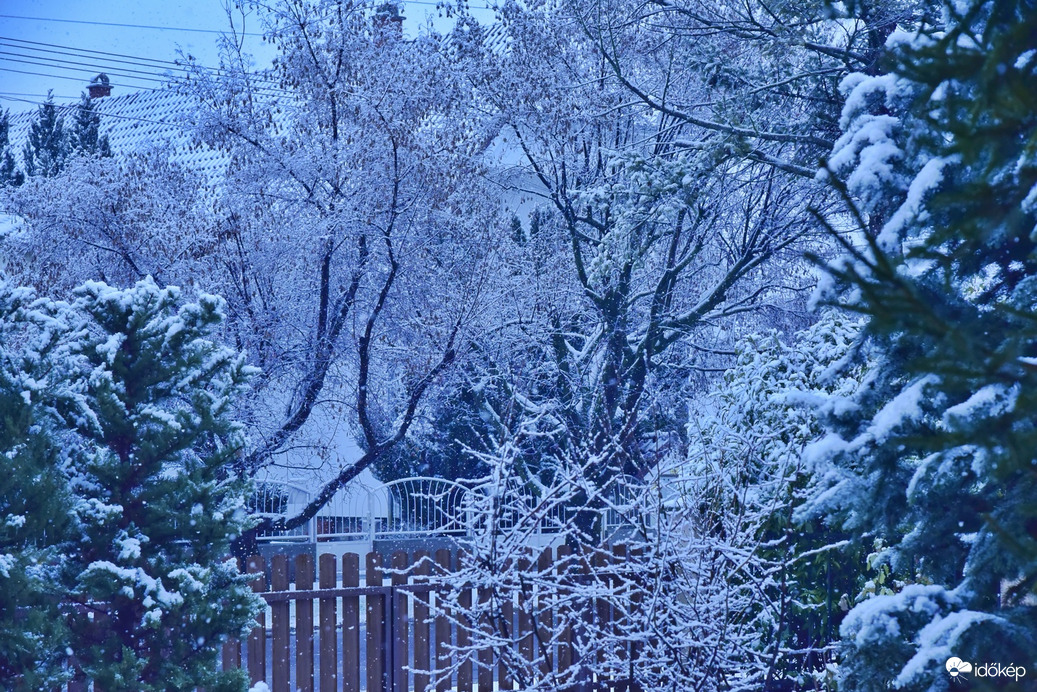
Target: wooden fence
[{"x": 328, "y": 631}]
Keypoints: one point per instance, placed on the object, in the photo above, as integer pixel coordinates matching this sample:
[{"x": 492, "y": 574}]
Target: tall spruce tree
[
  {"x": 48, "y": 146},
  {"x": 936, "y": 456},
  {"x": 159, "y": 507},
  {"x": 35, "y": 499},
  {"x": 116, "y": 507},
  {"x": 9, "y": 173},
  {"x": 85, "y": 137}
]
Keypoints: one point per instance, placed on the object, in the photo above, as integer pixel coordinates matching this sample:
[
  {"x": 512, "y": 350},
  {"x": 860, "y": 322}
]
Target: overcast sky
[{"x": 60, "y": 42}]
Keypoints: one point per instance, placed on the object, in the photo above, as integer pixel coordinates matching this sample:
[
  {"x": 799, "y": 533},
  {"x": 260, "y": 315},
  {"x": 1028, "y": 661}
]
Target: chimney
[
  {"x": 99, "y": 86},
  {"x": 387, "y": 16}
]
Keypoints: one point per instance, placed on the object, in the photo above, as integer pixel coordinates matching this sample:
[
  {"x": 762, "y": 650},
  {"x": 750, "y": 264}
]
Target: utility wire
[
  {"x": 163, "y": 72},
  {"x": 83, "y": 50},
  {"x": 135, "y": 60},
  {"x": 126, "y": 73},
  {"x": 180, "y": 28},
  {"x": 262, "y": 86},
  {"x": 258, "y": 92},
  {"x": 128, "y": 26},
  {"x": 78, "y": 80},
  {"x": 89, "y": 69},
  {"x": 188, "y": 29},
  {"x": 38, "y": 96}
]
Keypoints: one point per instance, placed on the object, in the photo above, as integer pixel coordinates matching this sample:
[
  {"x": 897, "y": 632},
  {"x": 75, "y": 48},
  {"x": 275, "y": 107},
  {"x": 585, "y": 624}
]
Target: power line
[
  {"x": 135, "y": 60},
  {"x": 190, "y": 29},
  {"x": 87, "y": 68},
  {"x": 258, "y": 84},
  {"x": 40, "y": 96},
  {"x": 78, "y": 80},
  {"x": 81, "y": 50},
  {"x": 126, "y": 82},
  {"x": 127, "y": 26},
  {"x": 263, "y": 85},
  {"x": 164, "y": 72},
  {"x": 93, "y": 68}
]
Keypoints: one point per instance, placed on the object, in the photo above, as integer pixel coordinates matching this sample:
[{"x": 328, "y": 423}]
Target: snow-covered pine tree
[
  {"x": 35, "y": 499},
  {"x": 159, "y": 505},
  {"x": 936, "y": 455},
  {"x": 9, "y": 173},
  {"x": 85, "y": 137},
  {"x": 48, "y": 146}
]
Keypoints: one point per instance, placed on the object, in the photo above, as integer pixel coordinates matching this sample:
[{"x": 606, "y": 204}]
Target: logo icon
[{"x": 957, "y": 668}]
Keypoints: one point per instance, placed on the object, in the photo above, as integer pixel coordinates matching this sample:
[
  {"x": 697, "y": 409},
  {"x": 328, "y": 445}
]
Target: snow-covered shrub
[
  {"x": 745, "y": 473},
  {"x": 661, "y": 604},
  {"x": 714, "y": 587}
]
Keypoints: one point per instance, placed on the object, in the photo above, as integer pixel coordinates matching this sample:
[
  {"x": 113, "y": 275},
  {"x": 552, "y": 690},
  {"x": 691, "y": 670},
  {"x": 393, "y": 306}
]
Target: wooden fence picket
[
  {"x": 583, "y": 625},
  {"x": 601, "y": 616},
  {"x": 565, "y": 614},
  {"x": 377, "y": 670},
  {"x": 636, "y": 606},
  {"x": 328, "y": 579},
  {"x": 621, "y": 622},
  {"x": 400, "y": 623},
  {"x": 507, "y": 631},
  {"x": 230, "y": 656},
  {"x": 524, "y": 633},
  {"x": 485, "y": 655},
  {"x": 443, "y": 631},
  {"x": 257, "y": 639},
  {"x": 544, "y": 622},
  {"x": 280, "y": 622},
  {"x": 78, "y": 683},
  {"x": 350, "y": 624},
  {"x": 304, "y": 624},
  {"x": 410, "y": 649},
  {"x": 465, "y": 678},
  {"x": 422, "y": 630}
]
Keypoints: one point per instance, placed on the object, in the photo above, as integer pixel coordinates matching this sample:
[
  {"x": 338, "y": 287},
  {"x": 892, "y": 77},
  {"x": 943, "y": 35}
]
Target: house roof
[
  {"x": 135, "y": 122},
  {"x": 141, "y": 120}
]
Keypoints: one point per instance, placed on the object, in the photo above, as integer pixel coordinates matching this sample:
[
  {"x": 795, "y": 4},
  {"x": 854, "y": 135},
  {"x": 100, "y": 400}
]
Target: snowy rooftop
[
  {"x": 137, "y": 121},
  {"x": 141, "y": 120}
]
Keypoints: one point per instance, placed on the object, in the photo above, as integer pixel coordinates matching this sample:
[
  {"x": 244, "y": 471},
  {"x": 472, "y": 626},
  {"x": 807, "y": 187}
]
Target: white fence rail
[{"x": 401, "y": 509}]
